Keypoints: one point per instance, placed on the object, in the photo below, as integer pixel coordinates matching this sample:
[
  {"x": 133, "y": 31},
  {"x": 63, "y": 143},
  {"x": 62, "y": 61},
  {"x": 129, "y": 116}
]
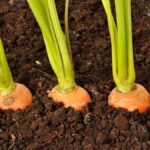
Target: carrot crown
[
  {"x": 57, "y": 43},
  {"x": 121, "y": 40},
  {"x": 6, "y": 81}
]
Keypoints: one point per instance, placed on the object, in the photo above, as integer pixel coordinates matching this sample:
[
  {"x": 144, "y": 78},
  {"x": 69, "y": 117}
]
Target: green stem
[
  {"x": 67, "y": 28},
  {"x": 131, "y": 69},
  {"x": 61, "y": 38},
  {"x": 114, "y": 41},
  {"x": 121, "y": 39},
  {"x": 122, "y": 45},
  {"x": 6, "y": 81},
  {"x": 125, "y": 60},
  {"x": 57, "y": 44}
]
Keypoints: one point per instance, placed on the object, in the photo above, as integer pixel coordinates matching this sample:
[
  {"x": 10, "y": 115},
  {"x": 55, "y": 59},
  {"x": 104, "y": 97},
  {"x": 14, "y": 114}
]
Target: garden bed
[{"x": 47, "y": 125}]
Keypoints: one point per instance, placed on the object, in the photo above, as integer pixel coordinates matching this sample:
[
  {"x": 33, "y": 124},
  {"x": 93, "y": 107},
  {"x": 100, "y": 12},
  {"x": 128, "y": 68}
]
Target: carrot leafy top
[
  {"x": 121, "y": 40},
  {"x": 57, "y": 43}
]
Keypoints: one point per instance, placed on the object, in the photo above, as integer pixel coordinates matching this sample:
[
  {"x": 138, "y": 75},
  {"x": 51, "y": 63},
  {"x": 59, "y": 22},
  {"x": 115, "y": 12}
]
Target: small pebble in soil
[
  {"x": 88, "y": 118},
  {"x": 121, "y": 122},
  {"x": 38, "y": 62},
  {"x": 11, "y": 2}
]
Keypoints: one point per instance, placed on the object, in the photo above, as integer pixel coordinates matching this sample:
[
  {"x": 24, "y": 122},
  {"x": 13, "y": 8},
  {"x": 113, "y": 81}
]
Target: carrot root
[
  {"x": 78, "y": 98},
  {"x": 138, "y": 99},
  {"x": 19, "y": 98}
]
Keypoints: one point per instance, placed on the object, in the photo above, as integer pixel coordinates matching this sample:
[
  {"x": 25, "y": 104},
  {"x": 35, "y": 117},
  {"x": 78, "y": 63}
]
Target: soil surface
[{"x": 47, "y": 125}]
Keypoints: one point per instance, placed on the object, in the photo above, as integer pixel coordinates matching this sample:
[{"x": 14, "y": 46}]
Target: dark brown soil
[{"x": 46, "y": 125}]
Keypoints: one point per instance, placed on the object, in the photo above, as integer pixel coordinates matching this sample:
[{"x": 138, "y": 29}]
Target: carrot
[
  {"x": 77, "y": 98},
  {"x": 19, "y": 98},
  {"x": 127, "y": 94},
  {"x": 59, "y": 53},
  {"x": 138, "y": 99},
  {"x": 12, "y": 95}
]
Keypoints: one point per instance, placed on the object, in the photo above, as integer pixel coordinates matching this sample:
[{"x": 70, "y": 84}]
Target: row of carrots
[{"x": 127, "y": 94}]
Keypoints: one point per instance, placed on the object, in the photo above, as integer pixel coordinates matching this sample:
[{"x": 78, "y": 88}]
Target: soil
[{"x": 49, "y": 126}]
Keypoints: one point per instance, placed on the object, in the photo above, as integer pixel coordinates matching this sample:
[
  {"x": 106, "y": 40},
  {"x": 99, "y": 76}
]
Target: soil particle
[
  {"x": 142, "y": 132},
  {"x": 88, "y": 117},
  {"x": 121, "y": 122},
  {"x": 1, "y": 20},
  {"x": 101, "y": 138},
  {"x": 91, "y": 2}
]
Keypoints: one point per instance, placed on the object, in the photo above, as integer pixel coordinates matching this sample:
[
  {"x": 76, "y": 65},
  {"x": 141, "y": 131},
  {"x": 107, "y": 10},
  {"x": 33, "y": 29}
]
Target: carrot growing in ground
[
  {"x": 127, "y": 94},
  {"x": 12, "y": 95},
  {"x": 59, "y": 53}
]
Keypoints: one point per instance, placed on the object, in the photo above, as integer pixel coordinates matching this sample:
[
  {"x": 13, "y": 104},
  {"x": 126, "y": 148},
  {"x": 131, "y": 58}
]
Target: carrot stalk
[
  {"x": 6, "y": 81},
  {"x": 121, "y": 39}
]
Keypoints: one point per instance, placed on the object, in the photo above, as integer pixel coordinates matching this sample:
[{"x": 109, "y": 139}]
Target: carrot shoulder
[
  {"x": 138, "y": 99},
  {"x": 77, "y": 98},
  {"x": 19, "y": 98}
]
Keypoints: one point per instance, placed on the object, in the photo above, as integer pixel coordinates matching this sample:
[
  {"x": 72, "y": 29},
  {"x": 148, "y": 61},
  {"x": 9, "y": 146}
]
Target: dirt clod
[{"x": 121, "y": 122}]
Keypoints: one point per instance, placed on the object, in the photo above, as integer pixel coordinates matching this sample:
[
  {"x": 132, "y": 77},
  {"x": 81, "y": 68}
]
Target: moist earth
[{"x": 47, "y": 125}]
